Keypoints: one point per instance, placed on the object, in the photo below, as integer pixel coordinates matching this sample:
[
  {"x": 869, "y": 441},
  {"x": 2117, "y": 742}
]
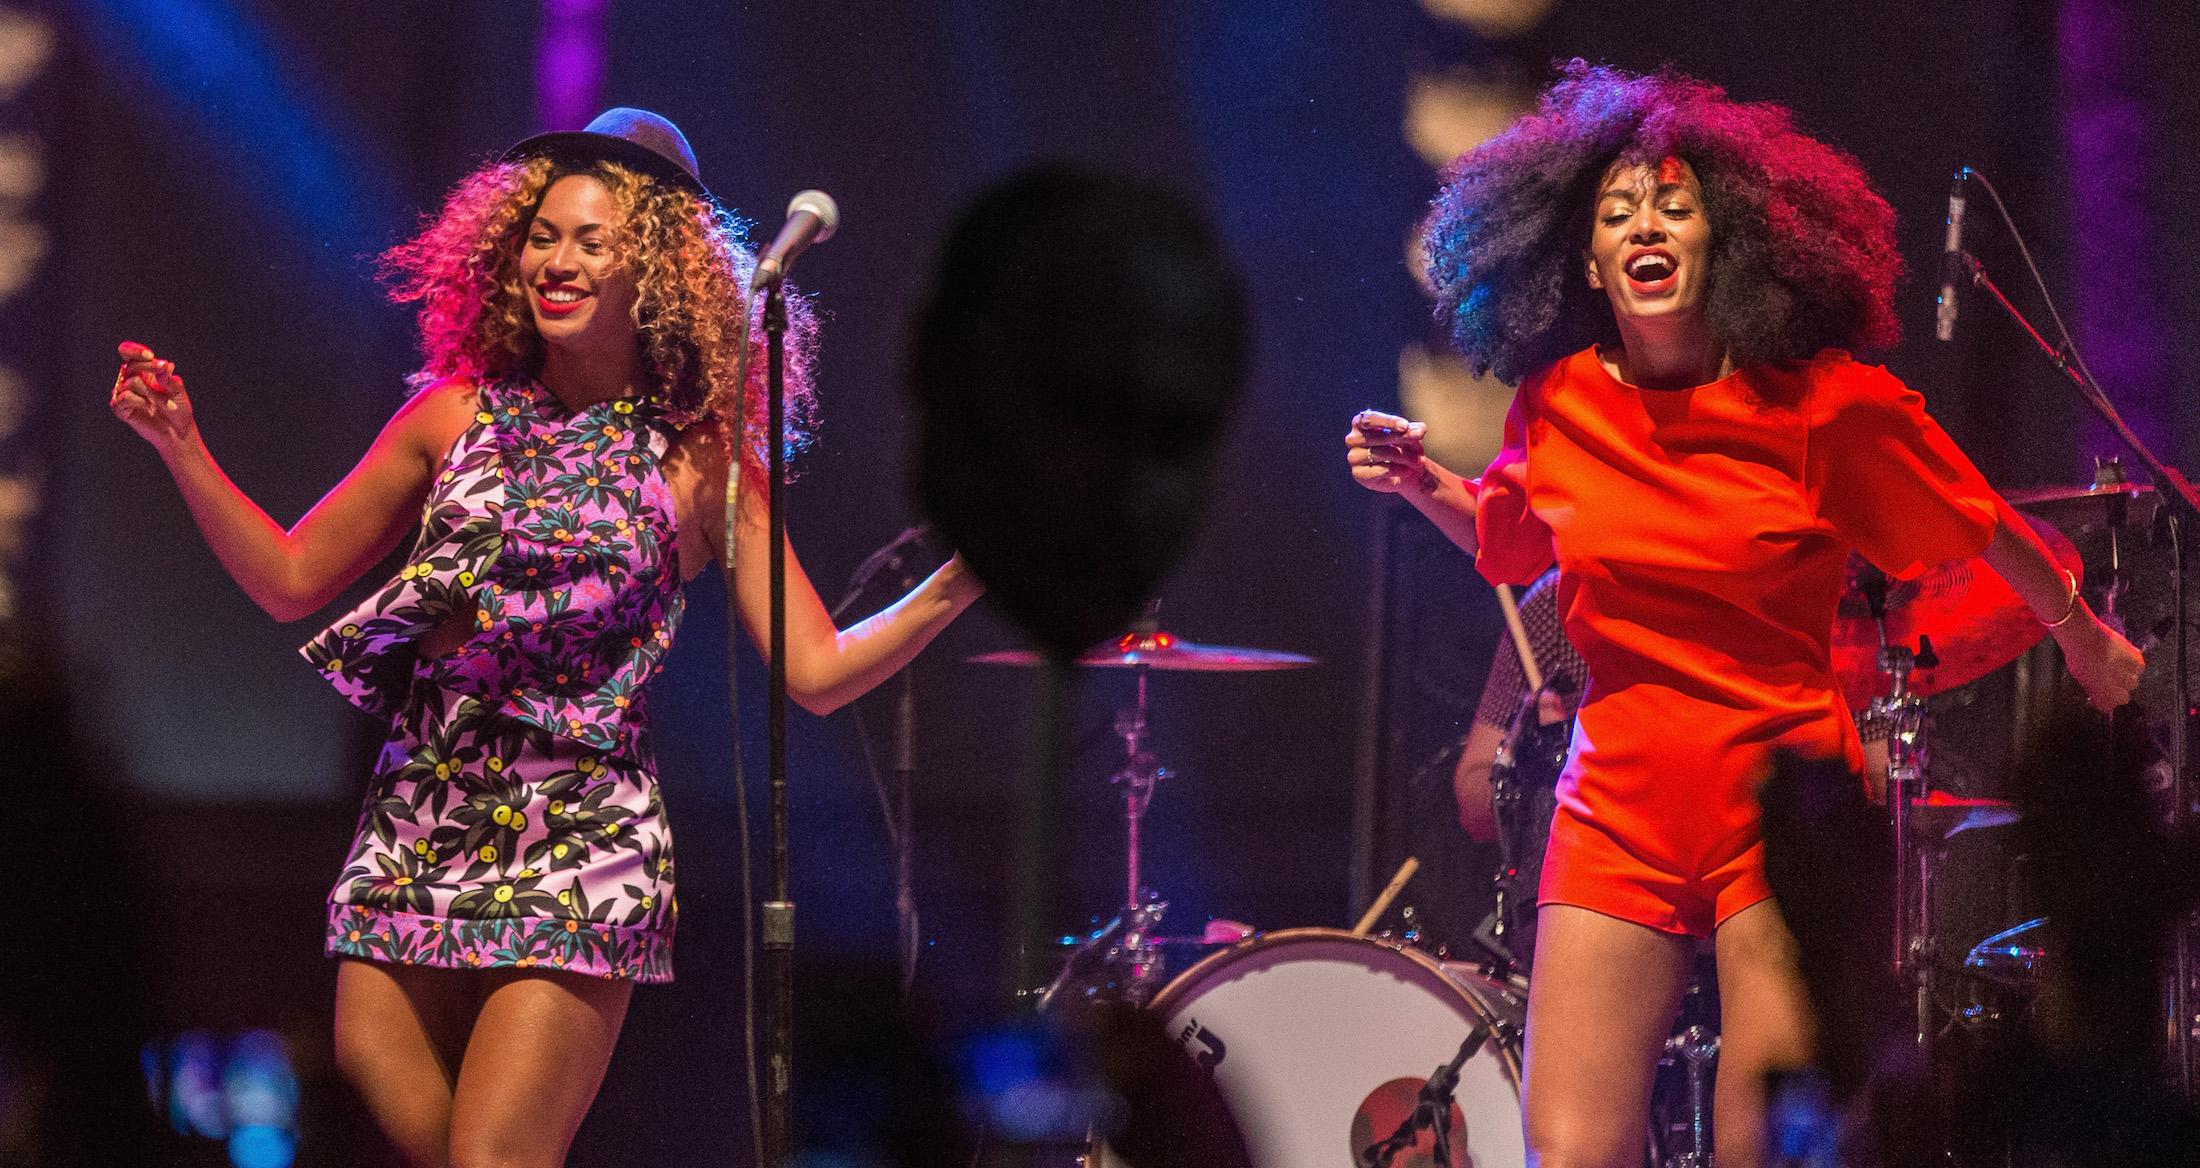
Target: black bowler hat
[{"x": 636, "y": 138}]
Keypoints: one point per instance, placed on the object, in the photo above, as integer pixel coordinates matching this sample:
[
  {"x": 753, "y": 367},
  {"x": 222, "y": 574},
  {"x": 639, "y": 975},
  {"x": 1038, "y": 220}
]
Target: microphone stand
[
  {"x": 1431, "y": 1109},
  {"x": 897, "y": 807},
  {"x": 778, "y": 911},
  {"x": 2185, "y": 507}
]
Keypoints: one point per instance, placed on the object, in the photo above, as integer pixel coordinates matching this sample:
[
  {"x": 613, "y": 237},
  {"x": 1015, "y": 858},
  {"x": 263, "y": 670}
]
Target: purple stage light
[
  {"x": 569, "y": 63},
  {"x": 2110, "y": 134}
]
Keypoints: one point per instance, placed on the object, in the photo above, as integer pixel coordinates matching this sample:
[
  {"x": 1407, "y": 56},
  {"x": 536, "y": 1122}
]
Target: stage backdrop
[{"x": 224, "y": 172}]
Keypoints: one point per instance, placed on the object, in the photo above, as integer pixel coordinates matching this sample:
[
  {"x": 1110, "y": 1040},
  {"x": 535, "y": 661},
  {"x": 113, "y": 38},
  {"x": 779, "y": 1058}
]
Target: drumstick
[
  {"x": 1390, "y": 893},
  {"x": 1519, "y": 632}
]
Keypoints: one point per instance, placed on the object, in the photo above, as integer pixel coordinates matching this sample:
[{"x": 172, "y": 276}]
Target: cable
[
  {"x": 2091, "y": 387},
  {"x": 899, "y": 831}
]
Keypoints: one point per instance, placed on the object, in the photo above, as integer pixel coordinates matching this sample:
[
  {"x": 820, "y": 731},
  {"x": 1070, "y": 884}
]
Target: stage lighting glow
[
  {"x": 1447, "y": 116},
  {"x": 22, "y": 168},
  {"x": 26, "y": 44},
  {"x": 1465, "y": 413},
  {"x": 22, "y": 249},
  {"x": 1497, "y": 19},
  {"x": 262, "y": 1147},
  {"x": 241, "y": 1090},
  {"x": 213, "y": 69},
  {"x": 569, "y": 63}
]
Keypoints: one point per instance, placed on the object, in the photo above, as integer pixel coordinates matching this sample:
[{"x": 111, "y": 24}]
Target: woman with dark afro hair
[{"x": 1677, "y": 281}]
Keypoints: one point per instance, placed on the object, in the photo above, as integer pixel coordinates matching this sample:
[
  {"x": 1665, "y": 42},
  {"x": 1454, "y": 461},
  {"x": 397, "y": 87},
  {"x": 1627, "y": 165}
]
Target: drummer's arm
[
  {"x": 2102, "y": 661},
  {"x": 1470, "y": 781}
]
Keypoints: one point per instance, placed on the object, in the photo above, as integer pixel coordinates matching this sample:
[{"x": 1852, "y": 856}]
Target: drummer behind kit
[{"x": 1334, "y": 1047}]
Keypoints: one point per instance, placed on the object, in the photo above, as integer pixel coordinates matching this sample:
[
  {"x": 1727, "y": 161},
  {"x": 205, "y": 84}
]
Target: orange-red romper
[{"x": 1701, "y": 537}]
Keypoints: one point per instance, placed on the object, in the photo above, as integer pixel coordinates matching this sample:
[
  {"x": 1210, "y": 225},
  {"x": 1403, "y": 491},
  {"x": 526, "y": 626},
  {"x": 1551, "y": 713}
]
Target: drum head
[{"x": 1321, "y": 1041}]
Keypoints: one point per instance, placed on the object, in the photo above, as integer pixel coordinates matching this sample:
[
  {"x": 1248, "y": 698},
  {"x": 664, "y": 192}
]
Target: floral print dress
[{"x": 514, "y": 818}]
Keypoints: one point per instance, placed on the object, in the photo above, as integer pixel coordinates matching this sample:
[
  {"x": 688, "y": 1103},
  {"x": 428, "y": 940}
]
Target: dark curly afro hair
[{"x": 1802, "y": 248}]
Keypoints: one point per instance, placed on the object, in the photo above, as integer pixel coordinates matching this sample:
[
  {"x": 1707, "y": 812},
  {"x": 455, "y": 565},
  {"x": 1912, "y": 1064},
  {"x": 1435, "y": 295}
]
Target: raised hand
[
  {"x": 149, "y": 396},
  {"x": 1384, "y": 453}
]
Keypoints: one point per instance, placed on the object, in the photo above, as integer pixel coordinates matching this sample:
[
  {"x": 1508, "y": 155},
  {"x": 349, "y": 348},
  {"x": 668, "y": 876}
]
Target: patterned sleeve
[
  {"x": 1554, "y": 655},
  {"x": 1887, "y": 478},
  {"x": 1512, "y": 546}
]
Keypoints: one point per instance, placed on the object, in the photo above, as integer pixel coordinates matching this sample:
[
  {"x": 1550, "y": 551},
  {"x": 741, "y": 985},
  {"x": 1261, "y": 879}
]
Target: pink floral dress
[{"x": 514, "y": 817}]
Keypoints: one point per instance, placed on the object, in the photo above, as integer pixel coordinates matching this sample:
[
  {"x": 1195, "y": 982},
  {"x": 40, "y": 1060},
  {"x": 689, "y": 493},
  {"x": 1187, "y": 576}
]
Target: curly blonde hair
[{"x": 692, "y": 267}]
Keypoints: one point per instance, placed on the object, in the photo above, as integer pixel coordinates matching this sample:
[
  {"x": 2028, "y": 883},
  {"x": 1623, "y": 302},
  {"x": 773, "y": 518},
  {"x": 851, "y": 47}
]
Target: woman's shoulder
[
  {"x": 438, "y": 412},
  {"x": 1838, "y": 380}
]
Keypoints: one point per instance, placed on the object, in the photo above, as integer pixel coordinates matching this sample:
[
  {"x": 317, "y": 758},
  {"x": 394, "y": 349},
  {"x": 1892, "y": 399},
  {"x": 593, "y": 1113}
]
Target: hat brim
[{"x": 583, "y": 146}]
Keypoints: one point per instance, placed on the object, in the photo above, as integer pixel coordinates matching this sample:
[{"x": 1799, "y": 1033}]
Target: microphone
[
  {"x": 812, "y": 217},
  {"x": 1951, "y": 259}
]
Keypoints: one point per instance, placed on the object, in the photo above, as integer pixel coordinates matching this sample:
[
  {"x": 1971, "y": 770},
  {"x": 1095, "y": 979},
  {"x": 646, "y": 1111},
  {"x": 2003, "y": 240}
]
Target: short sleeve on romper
[
  {"x": 1887, "y": 478},
  {"x": 1512, "y": 546}
]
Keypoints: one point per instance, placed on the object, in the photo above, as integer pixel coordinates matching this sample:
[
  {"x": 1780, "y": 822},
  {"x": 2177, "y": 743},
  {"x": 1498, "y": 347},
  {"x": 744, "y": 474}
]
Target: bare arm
[
  {"x": 1384, "y": 452},
  {"x": 2105, "y": 665},
  {"x": 827, "y": 667},
  {"x": 292, "y": 573},
  {"x": 1470, "y": 782}
]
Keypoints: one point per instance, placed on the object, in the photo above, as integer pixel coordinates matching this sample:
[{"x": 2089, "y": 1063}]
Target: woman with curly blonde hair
[
  {"x": 567, "y": 450},
  {"x": 1677, "y": 282}
]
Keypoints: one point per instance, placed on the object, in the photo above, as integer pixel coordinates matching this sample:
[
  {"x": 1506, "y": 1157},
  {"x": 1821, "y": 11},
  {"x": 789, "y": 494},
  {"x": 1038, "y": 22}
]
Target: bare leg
[
  {"x": 1599, "y": 1010},
  {"x": 400, "y": 1032},
  {"x": 539, "y": 1049},
  {"x": 1764, "y": 1026}
]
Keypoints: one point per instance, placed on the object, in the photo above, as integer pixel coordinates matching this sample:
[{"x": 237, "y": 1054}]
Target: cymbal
[
  {"x": 2078, "y": 508},
  {"x": 1940, "y": 815},
  {"x": 1165, "y": 651},
  {"x": 1977, "y": 623},
  {"x": 2042, "y": 498}
]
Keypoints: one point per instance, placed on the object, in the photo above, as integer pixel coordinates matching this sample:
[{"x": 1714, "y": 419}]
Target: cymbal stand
[
  {"x": 1903, "y": 713},
  {"x": 1136, "y": 957}
]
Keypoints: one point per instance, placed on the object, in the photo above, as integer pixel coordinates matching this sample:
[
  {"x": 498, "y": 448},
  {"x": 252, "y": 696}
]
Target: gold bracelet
[{"x": 2070, "y": 609}]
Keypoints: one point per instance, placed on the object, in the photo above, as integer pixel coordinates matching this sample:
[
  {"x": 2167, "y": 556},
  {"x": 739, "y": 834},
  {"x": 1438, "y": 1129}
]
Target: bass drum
[{"x": 1320, "y": 1042}]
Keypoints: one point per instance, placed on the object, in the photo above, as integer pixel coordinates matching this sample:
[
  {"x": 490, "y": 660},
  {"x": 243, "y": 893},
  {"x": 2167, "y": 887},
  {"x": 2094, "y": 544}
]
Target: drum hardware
[
  {"x": 1903, "y": 712},
  {"x": 1432, "y": 1110},
  {"x": 1318, "y": 1040},
  {"x": 1523, "y": 773},
  {"x": 1695, "y": 1049},
  {"x": 1409, "y": 922},
  {"x": 1923, "y": 820},
  {"x": 1136, "y": 960},
  {"x": 2004, "y": 972},
  {"x": 1973, "y": 615},
  {"x": 1123, "y": 960}
]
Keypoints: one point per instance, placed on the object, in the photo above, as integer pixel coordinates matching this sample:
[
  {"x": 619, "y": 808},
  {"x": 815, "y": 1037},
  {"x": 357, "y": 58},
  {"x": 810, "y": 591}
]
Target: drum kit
[{"x": 1335, "y": 1046}]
